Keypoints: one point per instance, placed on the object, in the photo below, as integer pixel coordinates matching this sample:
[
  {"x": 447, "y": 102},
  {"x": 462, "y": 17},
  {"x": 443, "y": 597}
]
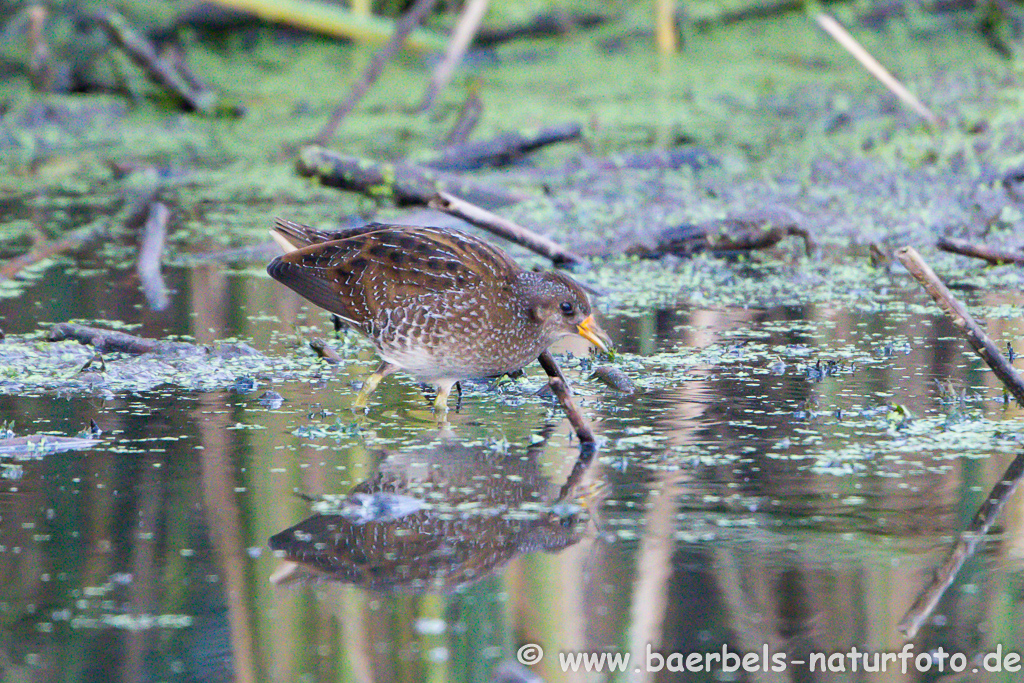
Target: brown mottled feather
[
  {"x": 300, "y": 235},
  {"x": 357, "y": 273}
]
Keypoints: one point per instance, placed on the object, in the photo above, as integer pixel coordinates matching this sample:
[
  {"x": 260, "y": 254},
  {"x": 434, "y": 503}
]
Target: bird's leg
[
  {"x": 339, "y": 325},
  {"x": 458, "y": 401},
  {"x": 441, "y": 402},
  {"x": 441, "y": 406},
  {"x": 382, "y": 371}
]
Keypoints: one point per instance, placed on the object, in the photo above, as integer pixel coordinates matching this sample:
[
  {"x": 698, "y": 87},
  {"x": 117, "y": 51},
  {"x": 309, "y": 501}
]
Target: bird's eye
[{"x": 568, "y": 308}]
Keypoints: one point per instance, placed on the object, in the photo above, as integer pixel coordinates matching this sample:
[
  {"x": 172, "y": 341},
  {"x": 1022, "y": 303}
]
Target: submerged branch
[
  {"x": 501, "y": 150},
  {"x": 588, "y": 449},
  {"x": 112, "y": 341},
  {"x": 964, "y": 548},
  {"x": 104, "y": 341},
  {"x": 402, "y": 183},
  {"x": 556, "y": 380},
  {"x": 993, "y": 256},
  {"x": 542, "y": 25},
  {"x": 961, "y": 317},
  {"x": 324, "y": 351},
  {"x": 760, "y": 230}
]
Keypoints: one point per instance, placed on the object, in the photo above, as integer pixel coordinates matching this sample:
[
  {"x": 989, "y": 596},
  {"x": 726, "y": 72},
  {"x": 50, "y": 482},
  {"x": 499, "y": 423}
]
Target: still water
[{"x": 783, "y": 482}]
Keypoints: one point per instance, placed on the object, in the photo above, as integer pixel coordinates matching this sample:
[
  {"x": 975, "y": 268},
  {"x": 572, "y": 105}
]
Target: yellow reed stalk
[{"x": 333, "y": 21}]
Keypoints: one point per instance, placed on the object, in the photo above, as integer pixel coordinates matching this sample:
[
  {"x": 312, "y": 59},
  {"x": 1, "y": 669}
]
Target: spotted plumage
[{"x": 438, "y": 303}]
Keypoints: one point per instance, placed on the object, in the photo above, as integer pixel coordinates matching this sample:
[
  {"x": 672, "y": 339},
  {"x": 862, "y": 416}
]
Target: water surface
[{"x": 783, "y": 477}]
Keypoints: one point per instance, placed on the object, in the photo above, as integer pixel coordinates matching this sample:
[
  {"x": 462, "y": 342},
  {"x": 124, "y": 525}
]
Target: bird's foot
[{"x": 382, "y": 371}]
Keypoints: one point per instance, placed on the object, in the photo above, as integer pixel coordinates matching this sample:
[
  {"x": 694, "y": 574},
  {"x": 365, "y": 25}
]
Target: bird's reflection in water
[{"x": 437, "y": 518}]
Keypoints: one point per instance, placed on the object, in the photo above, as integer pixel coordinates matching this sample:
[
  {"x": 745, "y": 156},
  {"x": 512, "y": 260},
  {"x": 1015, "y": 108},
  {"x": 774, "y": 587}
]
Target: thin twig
[
  {"x": 409, "y": 21},
  {"x": 874, "y": 67},
  {"x": 958, "y": 313},
  {"x": 142, "y": 52},
  {"x": 469, "y": 116},
  {"x": 506, "y": 229},
  {"x": 466, "y": 27},
  {"x": 929, "y": 598},
  {"x": 993, "y": 256},
  {"x": 40, "y": 64},
  {"x": 556, "y": 380}
]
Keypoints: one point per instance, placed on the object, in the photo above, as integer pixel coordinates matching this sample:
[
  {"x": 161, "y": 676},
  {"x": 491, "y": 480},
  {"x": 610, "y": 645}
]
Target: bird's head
[{"x": 561, "y": 307}]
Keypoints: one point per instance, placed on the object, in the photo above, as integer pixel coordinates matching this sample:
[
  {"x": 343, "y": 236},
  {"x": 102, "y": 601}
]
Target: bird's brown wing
[
  {"x": 384, "y": 267},
  {"x": 299, "y": 235}
]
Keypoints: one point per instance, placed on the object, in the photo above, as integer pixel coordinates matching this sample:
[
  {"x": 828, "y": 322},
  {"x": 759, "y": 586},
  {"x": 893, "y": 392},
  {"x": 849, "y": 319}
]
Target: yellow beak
[{"x": 592, "y": 332}]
